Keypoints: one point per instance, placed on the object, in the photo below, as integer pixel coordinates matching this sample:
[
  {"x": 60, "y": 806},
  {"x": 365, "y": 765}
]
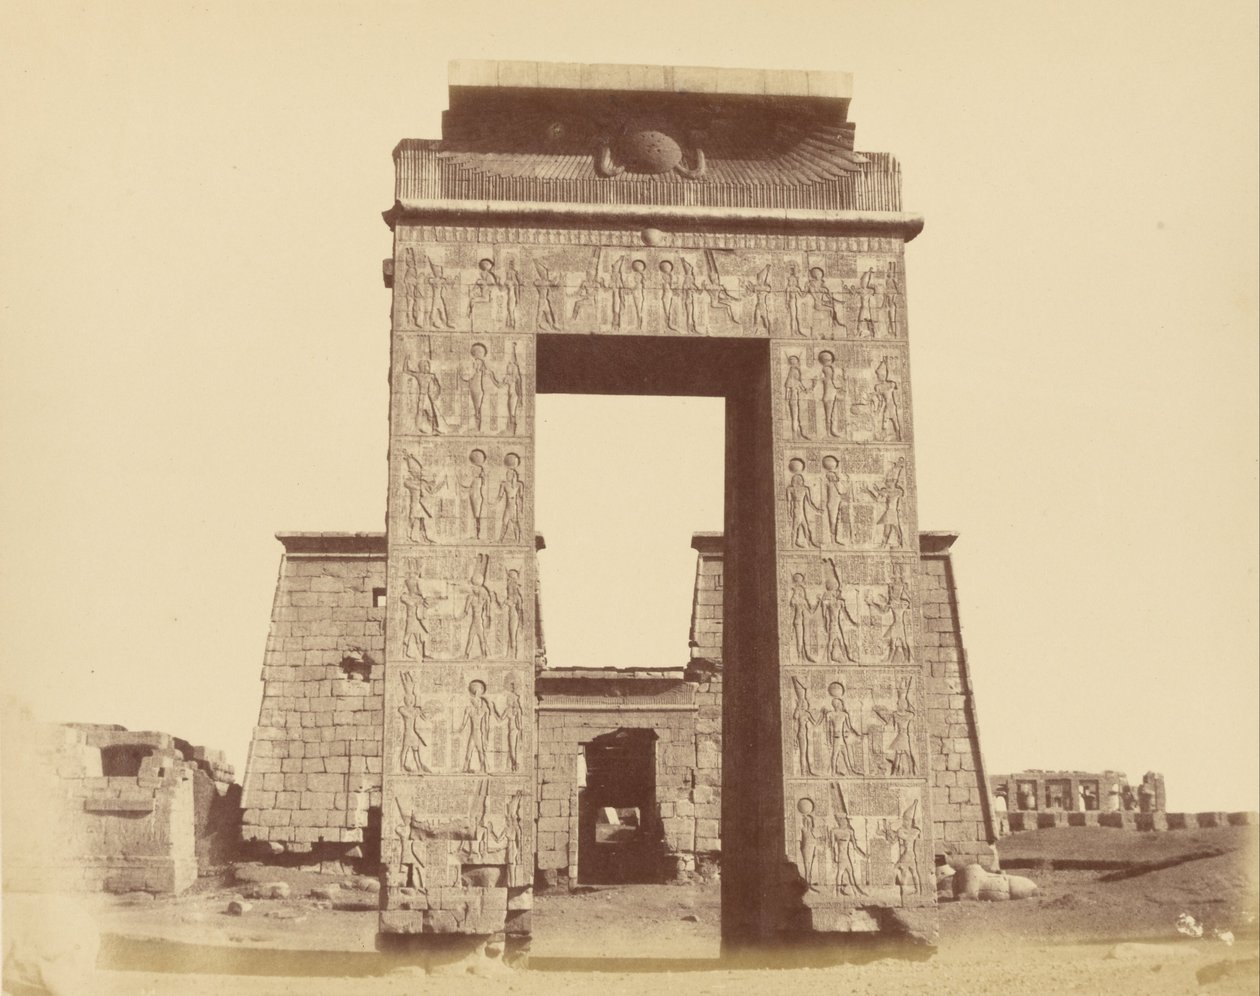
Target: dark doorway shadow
[{"x": 620, "y": 838}]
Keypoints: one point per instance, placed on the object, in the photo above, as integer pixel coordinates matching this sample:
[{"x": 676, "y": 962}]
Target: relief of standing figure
[
  {"x": 832, "y": 379},
  {"x": 900, "y": 750},
  {"x": 667, "y": 293},
  {"x": 892, "y": 303},
  {"x": 760, "y": 289},
  {"x": 690, "y": 291},
  {"x": 419, "y": 490},
  {"x": 514, "y": 603},
  {"x": 438, "y": 282},
  {"x": 476, "y": 380},
  {"x": 906, "y": 836},
  {"x": 840, "y": 731},
  {"x": 800, "y": 502},
  {"x": 476, "y": 488},
  {"x": 513, "y": 713},
  {"x": 808, "y": 841},
  {"x": 802, "y": 608},
  {"x": 512, "y": 495},
  {"x": 515, "y": 384},
  {"x": 413, "y": 291},
  {"x": 836, "y": 617},
  {"x": 416, "y": 608},
  {"x": 428, "y": 392},
  {"x": 477, "y": 714},
  {"x": 794, "y": 390},
  {"x": 846, "y": 853},
  {"x": 415, "y": 721},
  {"x": 546, "y": 312},
  {"x": 794, "y": 294},
  {"x": 838, "y": 502},
  {"x": 803, "y": 721},
  {"x": 870, "y": 303},
  {"x": 513, "y": 283},
  {"x": 886, "y": 403},
  {"x": 477, "y": 612},
  {"x": 891, "y": 494}
]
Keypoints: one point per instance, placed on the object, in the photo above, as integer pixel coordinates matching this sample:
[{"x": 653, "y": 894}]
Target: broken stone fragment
[
  {"x": 238, "y": 907},
  {"x": 974, "y": 883}
]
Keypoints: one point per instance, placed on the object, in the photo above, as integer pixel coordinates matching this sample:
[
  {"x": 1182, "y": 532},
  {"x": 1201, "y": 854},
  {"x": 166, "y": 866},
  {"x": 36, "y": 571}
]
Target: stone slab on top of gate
[
  {"x": 552, "y": 133},
  {"x": 664, "y": 79}
]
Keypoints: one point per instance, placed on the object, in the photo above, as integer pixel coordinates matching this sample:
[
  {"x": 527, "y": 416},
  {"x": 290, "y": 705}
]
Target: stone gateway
[{"x": 638, "y": 230}]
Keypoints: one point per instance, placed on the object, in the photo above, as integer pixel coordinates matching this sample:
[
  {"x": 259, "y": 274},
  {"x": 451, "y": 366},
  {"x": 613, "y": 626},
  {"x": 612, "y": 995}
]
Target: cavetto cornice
[{"x": 650, "y": 217}]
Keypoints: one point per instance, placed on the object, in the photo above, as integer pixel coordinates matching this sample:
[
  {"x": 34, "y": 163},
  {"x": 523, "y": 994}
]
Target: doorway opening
[
  {"x": 620, "y": 838},
  {"x": 622, "y": 794}
]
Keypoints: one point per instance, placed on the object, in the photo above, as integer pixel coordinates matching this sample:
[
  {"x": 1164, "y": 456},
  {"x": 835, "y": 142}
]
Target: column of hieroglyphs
[
  {"x": 458, "y": 783},
  {"x": 855, "y": 758}
]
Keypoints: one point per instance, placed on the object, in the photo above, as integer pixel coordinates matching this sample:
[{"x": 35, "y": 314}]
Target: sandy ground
[{"x": 1109, "y": 928}]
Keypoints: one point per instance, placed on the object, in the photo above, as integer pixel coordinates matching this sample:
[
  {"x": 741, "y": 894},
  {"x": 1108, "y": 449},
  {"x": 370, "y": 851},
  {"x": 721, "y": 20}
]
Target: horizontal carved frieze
[{"x": 805, "y": 294}]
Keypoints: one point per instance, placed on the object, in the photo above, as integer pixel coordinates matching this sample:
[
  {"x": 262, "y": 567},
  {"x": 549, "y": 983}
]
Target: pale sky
[{"x": 195, "y": 346}]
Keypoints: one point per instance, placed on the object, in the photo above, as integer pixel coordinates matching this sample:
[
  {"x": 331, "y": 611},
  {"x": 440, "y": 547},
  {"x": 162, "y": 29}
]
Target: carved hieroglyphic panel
[
  {"x": 434, "y": 831},
  {"x": 467, "y": 305},
  {"x": 854, "y": 722},
  {"x": 460, "y": 605},
  {"x": 843, "y": 498},
  {"x": 841, "y": 392},
  {"x": 457, "y": 719},
  {"x": 462, "y": 492},
  {"x": 471, "y": 385},
  {"x": 852, "y": 691},
  {"x": 458, "y": 818},
  {"x": 861, "y": 842},
  {"x": 692, "y": 287},
  {"x": 847, "y": 609}
]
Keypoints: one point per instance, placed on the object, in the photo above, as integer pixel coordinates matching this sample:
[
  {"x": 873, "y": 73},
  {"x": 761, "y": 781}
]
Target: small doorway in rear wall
[{"x": 620, "y": 838}]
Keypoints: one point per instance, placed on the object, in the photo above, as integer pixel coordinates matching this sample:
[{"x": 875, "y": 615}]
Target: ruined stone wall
[
  {"x": 962, "y": 807},
  {"x": 314, "y": 770},
  {"x": 706, "y": 791},
  {"x": 706, "y": 670},
  {"x": 96, "y": 807}
]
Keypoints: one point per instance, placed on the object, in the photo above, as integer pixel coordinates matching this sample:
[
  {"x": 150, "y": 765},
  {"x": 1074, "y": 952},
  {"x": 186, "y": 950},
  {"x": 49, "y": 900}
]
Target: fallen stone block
[{"x": 974, "y": 883}]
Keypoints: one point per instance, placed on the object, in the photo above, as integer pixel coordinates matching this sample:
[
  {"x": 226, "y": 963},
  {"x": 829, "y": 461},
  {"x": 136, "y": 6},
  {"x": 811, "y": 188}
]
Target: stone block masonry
[
  {"x": 313, "y": 778},
  {"x": 97, "y": 807}
]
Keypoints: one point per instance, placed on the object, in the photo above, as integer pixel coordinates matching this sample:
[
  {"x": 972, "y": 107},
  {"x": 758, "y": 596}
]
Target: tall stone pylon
[{"x": 641, "y": 229}]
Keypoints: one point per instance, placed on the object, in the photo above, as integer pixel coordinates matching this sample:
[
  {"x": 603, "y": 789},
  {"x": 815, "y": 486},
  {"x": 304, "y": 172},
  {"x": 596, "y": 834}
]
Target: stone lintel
[
  {"x": 544, "y": 706},
  {"x": 889, "y": 224},
  {"x": 614, "y": 673},
  {"x": 345, "y": 543},
  {"x": 930, "y": 543},
  {"x": 333, "y": 543},
  {"x": 523, "y": 74},
  {"x": 936, "y": 543},
  {"x": 707, "y": 543}
]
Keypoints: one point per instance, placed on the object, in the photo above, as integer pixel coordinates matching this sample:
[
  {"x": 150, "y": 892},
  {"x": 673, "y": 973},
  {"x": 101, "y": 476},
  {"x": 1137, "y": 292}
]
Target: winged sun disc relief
[{"x": 643, "y": 149}]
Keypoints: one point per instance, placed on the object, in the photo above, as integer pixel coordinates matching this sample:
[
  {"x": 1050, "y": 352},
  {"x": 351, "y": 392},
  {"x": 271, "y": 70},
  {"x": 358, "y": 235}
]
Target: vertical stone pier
[{"x": 615, "y": 229}]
